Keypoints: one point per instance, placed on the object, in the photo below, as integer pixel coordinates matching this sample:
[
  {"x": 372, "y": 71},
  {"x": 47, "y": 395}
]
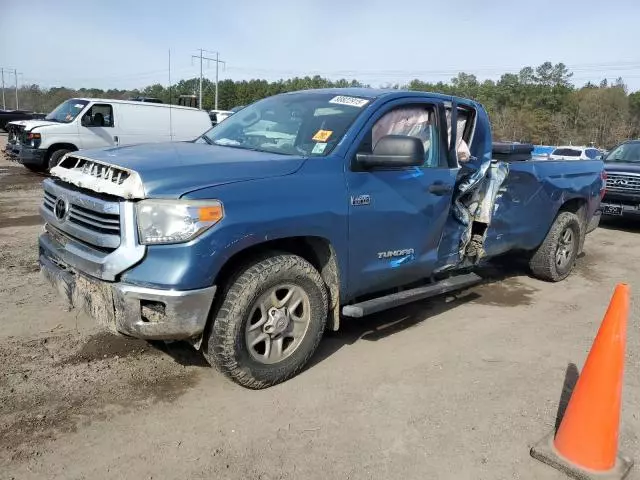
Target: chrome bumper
[{"x": 148, "y": 313}]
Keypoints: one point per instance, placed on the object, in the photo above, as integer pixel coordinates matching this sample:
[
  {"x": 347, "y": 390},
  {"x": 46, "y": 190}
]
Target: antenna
[{"x": 170, "y": 102}]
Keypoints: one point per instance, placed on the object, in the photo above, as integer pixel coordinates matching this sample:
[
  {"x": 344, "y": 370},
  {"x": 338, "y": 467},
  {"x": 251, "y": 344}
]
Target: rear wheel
[
  {"x": 55, "y": 157},
  {"x": 555, "y": 258},
  {"x": 270, "y": 322}
]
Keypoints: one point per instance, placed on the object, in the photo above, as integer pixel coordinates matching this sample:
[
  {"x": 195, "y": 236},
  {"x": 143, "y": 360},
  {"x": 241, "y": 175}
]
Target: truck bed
[{"x": 531, "y": 197}]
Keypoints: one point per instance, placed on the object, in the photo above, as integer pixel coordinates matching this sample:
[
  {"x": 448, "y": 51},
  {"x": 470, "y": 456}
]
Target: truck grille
[
  {"x": 95, "y": 169},
  {"x": 14, "y": 134},
  {"x": 93, "y": 221},
  {"x": 623, "y": 182}
]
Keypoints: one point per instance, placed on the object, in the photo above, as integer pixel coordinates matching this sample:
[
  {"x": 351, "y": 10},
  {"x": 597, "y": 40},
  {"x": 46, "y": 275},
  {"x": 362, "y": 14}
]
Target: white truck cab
[
  {"x": 84, "y": 123},
  {"x": 218, "y": 116}
]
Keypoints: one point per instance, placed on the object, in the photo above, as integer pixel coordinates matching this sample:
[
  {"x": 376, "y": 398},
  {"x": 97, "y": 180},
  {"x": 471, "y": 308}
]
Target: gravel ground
[{"x": 454, "y": 388}]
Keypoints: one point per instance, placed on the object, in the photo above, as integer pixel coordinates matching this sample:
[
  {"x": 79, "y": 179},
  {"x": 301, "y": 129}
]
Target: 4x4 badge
[{"x": 360, "y": 200}]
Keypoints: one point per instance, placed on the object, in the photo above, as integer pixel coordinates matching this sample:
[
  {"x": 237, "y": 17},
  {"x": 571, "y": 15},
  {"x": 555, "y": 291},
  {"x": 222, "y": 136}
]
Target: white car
[
  {"x": 82, "y": 123},
  {"x": 575, "y": 153},
  {"x": 218, "y": 116}
]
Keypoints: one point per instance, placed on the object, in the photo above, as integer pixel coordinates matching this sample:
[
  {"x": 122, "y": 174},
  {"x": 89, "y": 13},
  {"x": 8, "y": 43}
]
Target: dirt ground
[{"x": 454, "y": 388}]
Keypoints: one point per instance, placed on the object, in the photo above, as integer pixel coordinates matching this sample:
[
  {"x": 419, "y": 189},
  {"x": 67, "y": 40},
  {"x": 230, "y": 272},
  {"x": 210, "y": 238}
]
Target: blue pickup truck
[{"x": 298, "y": 211}]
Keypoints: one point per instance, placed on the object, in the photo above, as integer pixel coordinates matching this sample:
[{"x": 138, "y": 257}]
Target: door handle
[
  {"x": 116, "y": 140},
  {"x": 440, "y": 188}
]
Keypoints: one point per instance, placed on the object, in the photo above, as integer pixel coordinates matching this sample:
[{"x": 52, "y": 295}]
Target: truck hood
[
  {"x": 622, "y": 167},
  {"x": 169, "y": 170},
  {"x": 29, "y": 125}
]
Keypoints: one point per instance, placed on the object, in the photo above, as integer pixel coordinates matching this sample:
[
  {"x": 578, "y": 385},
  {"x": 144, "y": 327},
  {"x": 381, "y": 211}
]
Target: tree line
[{"x": 538, "y": 105}]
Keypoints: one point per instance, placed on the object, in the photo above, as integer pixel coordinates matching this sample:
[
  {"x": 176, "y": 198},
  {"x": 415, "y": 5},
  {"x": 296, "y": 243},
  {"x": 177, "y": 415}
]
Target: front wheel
[
  {"x": 270, "y": 322},
  {"x": 55, "y": 157},
  {"x": 555, "y": 258}
]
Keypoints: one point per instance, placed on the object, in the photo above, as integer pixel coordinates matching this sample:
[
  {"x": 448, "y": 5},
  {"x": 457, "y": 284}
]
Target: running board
[{"x": 374, "y": 305}]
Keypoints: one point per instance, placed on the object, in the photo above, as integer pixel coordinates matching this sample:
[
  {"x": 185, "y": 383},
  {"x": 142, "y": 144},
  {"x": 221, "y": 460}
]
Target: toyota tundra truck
[{"x": 298, "y": 212}]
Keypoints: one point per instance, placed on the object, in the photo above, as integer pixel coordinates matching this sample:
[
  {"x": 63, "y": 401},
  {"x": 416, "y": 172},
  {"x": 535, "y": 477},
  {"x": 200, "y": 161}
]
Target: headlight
[
  {"x": 34, "y": 139},
  {"x": 175, "y": 221}
]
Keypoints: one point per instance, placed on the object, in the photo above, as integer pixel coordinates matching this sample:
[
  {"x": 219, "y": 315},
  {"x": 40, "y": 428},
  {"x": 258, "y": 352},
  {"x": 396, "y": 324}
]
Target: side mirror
[
  {"x": 394, "y": 151},
  {"x": 86, "y": 121}
]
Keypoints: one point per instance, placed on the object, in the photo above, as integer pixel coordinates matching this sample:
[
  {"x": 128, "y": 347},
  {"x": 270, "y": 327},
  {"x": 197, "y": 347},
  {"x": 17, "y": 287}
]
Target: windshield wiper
[
  {"x": 206, "y": 139},
  {"x": 252, "y": 149}
]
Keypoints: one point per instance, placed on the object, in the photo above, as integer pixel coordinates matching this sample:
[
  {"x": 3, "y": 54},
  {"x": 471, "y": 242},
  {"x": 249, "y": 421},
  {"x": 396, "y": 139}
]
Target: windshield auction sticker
[
  {"x": 322, "y": 135},
  {"x": 351, "y": 101},
  {"x": 319, "y": 148}
]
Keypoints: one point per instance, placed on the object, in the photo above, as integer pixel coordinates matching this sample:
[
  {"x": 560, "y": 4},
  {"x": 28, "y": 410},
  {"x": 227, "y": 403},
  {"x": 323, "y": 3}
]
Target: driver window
[
  {"x": 99, "y": 115},
  {"x": 412, "y": 121}
]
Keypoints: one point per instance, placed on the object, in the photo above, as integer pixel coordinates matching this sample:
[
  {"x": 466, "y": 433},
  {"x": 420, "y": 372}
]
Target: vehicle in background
[
  {"x": 190, "y": 101},
  {"x": 7, "y": 116},
  {"x": 622, "y": 165},
  {"x": 542, "y": 152},
  {"x": 218, "y": 116},
  {"x": 254, "y": 239},
  {"x": 145, "y": 99},
  {"x": 81, "y": 123},
  {"x": 575, "y": 153}
]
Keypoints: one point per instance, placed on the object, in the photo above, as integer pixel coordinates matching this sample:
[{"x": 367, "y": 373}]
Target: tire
[
  {"x": 55, "y": 157},
  {"x": 555, "y": 258},
  {"x": 253, "y": 295}
]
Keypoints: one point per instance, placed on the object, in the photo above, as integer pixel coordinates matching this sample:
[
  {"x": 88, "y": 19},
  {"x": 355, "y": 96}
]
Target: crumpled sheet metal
[{"x": 475, "y": 199}]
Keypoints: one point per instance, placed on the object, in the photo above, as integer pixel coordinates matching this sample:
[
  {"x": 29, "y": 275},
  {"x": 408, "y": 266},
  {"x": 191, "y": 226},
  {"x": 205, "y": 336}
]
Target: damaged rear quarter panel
[{"x": 532, "y": 196}]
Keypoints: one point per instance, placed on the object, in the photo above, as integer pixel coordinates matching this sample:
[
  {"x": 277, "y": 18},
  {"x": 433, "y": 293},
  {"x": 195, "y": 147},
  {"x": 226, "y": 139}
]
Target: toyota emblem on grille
[{"x": 60, "y": 209}]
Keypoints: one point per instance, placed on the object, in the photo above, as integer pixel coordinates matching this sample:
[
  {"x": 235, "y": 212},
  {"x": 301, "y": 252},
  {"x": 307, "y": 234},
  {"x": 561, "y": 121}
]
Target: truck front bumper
[
  {"x": 12, "y": 150},
  {"x": 617, "y": 204},
  {"x": 31, "y": 156},
  {"x": 148, "y": 313}
]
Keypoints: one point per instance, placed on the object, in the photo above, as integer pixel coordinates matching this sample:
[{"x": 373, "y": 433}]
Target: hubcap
[
  {"x": 565, "y": 248},
  {"x": 278, "y": 323}
]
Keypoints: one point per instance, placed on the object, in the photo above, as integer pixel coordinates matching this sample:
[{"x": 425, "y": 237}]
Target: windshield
[
  {"x": 627, "y": 152},
  {"x": 566, "y": 152},
  {"x": 309, "y": 124},
  {"x": 66, "y": 112}
]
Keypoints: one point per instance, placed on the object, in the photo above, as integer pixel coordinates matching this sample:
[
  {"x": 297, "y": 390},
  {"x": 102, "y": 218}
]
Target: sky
[{"x": 125, "y": 44}]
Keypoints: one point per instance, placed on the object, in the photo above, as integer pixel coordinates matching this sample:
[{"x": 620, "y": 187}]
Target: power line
[
  {"x": 218, "y": 62},
  {"x": 16, "y": 73}
]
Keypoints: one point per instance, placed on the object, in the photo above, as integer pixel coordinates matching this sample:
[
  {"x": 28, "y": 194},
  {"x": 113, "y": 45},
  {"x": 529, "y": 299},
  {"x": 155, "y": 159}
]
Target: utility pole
[
  {"x": 218, "y": 62},
  {"x": 17, "y": 104},
  {"x": 4, "y": 104}
]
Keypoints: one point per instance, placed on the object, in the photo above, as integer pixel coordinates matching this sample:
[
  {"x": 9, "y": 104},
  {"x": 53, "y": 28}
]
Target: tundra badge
[{"x": 396, "y": 253}]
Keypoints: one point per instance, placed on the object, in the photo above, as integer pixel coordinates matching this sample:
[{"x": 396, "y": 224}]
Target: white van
[{"x": 81, "y": 123}]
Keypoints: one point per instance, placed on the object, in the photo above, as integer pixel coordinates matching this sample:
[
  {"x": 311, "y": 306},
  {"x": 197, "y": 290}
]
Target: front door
[
  {"x": 397, "y": 216},
  {"x": 97, "y": 127}
]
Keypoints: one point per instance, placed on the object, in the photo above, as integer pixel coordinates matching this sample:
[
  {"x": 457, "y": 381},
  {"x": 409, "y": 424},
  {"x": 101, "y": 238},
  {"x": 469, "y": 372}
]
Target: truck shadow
[
  {"x": 491, "y": 291},
  {"x": 182, "y": 353},
  {"x": 620, "y": 224},
  {"x": 500, "y": 287}
]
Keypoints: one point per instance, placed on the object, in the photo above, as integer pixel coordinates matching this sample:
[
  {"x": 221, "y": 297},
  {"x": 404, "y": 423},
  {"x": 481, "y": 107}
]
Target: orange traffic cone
[{"x": 586, "y": 444}]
